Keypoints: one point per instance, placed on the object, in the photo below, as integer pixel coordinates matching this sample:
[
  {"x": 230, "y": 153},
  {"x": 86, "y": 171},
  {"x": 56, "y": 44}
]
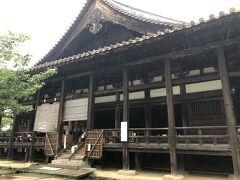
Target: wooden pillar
[
  {"x": 117, "y": 112},
  {"x": 231, "y": 119},
  {"x": 184, "y": 107},
  {"x": 171, "y": 118},
  {"x": 10, "y": 149},
  {"x": 138, "y": 158},
  {"x": 147, "y": 107},
  {"x": 61, "y": 107},
  {"x": 60, "y": 113},
  {"x": 26, "y": 155},
  {"x": 31, "y": 149},
  {"x": 125, "y": 116},
  {"x": 90, "y": 120}
]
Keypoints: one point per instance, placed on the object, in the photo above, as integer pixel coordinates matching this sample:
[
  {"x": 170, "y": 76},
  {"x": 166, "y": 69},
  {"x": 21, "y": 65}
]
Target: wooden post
[
  {"x": 231, "y": 119},
  {"x": 90, "y": 120},
  {"x": 31, "y": 149},
  {"x": 60, "y": 113},
  {"x": 61, "y": 107},
  {"x": 148, "y": 116},
  {"x": 184, "y": 106},
  {"x": 26, "y": 155},
  {"x": 171, "y": 118},
  {"x": 125, "y": 116},
  {"x": 138, "y": 160},
  {"x": 117, "y": 112},
  {"x": 10, "y": 149}
]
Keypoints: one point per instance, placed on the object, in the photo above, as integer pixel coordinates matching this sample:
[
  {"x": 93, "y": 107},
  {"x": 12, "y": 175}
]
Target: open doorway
[
  {"x": 160, "y": 116},
  {"x": 104, "y": 119},
  {"x": 73, "y": 130}
]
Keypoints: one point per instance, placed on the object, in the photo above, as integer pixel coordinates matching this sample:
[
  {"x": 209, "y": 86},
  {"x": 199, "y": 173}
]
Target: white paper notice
[
  {"x": 124, "y": 132},
  {"x": 88, "y": 147}
]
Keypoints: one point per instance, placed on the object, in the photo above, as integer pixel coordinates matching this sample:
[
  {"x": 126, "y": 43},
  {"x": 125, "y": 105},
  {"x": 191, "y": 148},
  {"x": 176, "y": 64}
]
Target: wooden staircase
[
  {"x": 66, "y": 159},
  {"x": 51, "y": 143}
]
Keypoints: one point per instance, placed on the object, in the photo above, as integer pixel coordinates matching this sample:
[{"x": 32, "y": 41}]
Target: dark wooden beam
[
  {"x": 117, "y": 112},
  {"x": 91, "y": 99},
  {"x": 107, "y": 92},
  {"x": 171, "y": 117},
  {"x": 185, "y": 80},
  {"x": 185, "y": 52},
  {"x": 125, "y": 115},
  {"x": 184, "y": 106},
  {"x": 147, "y": 107},
  {"x": 68, "y": 77},
  {"x": 231, "y": 118},
  {"x": 61, "y": 106}
]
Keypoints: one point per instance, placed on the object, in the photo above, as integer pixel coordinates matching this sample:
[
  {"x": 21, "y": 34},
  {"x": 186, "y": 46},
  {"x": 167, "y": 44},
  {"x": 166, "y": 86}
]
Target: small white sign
[
  {"x": 89, "y": 147},
  {"x": 124, "y": 132},
  {"x": 65, "y": 142}
]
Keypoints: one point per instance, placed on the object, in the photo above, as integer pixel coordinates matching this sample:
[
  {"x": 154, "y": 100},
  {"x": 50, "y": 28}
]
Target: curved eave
[
  {"x": 145, "y": 38},
  {"x": 61, "y": 44}
]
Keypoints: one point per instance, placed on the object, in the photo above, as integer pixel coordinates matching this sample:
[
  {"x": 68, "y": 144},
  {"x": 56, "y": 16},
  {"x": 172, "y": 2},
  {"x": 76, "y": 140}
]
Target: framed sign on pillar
[{"x": 124, "y": 132}]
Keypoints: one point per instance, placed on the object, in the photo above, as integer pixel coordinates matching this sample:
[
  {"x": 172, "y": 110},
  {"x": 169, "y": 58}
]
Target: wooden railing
[
  {"x": 21, "y": 139},
  {"x": 184, "y": 135},
  {"x": 39, "y": 141},
  {"x": 5, "y": 138}
]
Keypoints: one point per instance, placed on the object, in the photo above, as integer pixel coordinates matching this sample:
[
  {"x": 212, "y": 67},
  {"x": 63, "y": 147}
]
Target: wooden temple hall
[{"x": 175, "y": 84}]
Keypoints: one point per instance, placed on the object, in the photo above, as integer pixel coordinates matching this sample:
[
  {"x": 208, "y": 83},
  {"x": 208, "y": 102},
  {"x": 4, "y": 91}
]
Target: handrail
[
  {"x": 76, "y": 150},
  {"x": 50, "y": 145},
  {"x": 101, "y": 134},
  {"x": 195, "y": 134}
]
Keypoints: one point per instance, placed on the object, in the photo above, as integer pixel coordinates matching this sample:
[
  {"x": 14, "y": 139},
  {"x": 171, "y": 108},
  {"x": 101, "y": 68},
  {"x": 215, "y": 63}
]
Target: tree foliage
[{"x": 15, "y": 81}]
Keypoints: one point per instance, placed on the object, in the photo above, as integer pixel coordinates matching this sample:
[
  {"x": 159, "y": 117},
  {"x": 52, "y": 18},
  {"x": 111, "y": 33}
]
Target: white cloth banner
[
  {"x": 76, "y": 109},
  {"x": 47, "y": 118}
]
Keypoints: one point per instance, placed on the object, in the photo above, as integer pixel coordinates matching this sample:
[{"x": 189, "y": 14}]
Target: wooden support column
[
  {"x": 60, "y": 113},
  {"x": 125, "y": 116},
  {"x": 31, "y": 149},
  {"x": 117, "y": 112},
  {"x": 138, "y": 158},
  {"x": 61, "y": 106},
  {"x": 10, "y": 149},
  {"x": 148, "y": 115},
  {"x": 184, "y": 107},
  {"x": 26, "y": 155},
  {"x": 147, "y": 107},
  {"x": 90, "y": 120},
  {"x": 171, "y": 118},
  {"x": 231, "y": 118}
]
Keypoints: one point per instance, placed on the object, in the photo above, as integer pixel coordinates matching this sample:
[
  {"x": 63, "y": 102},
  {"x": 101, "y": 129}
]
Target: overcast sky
[{"x": 47, "y": 20}]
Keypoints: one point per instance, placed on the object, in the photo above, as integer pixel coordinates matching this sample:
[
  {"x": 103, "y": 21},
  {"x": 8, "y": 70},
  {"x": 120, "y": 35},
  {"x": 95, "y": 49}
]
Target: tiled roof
[
  {"x": 131, "y": 12},
  {"x": 141, "y": 15},
  {"x": 105, "y": 49}
]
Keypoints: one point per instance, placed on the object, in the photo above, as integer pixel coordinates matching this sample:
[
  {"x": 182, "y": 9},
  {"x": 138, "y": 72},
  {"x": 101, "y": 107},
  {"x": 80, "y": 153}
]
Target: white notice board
[{"x": 124, "y": 132}]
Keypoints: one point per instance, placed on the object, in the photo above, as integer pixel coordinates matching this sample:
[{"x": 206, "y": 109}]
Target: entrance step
[{"x": 69, "y": 163}]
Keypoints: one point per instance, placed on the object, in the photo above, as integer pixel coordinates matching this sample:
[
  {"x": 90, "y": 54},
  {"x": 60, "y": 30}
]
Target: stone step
[
  {"x": 64, "y": 166},
  {"x": 66, "y": 163}
]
